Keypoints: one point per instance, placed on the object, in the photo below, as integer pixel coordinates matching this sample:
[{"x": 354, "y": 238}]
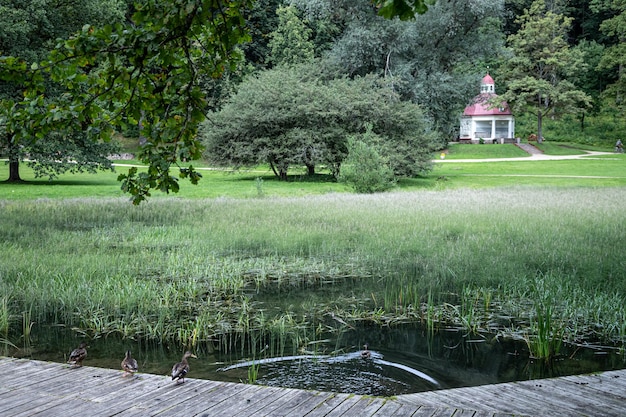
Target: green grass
[
  {"x": 552, "y": 148},
  {"x": 469, "y": 151},
  {"x": 601, "y": 172},
  {"x": 224, "y": 270},
  {"x": 202, "y": 267},
  {"x": 215, "y": 183},
  {"x": 261, "y": 182}
]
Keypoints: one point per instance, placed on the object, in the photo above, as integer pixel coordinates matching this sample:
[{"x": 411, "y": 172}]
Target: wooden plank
[
  {"x": 406, "y": 410},
  {"x": 332, "y": 403},
  {"x": 611, "y": 382},
  {"x": 365, "y": 406},
  {"x": 290, "y": 396},
  {"x": 465, "y": 398},
  {"x": 308, "y": 402},
  {"x": 162, "y": 397},
  {"x": 87, "y": 408},
  {"x": 572, "y": 403},
  {"x": 336, "y": 405},
  {"x": 510, "y": 399},
  {"x": 48, "y": 408},
  {"x": 425, "y": 411},
  {"x": 388, "y": 409},
  {"x": 184, "y": 407},
  {"x": 24, "y": 374},
  {"x": 587, "y": 394},
  {"x": 33, "y": 401},
  {"x": 484, "y": 398},
  {"x": 248, "y": 401},
  {"x": 241, "y": 406},
  {"x": 49, "y": 389},
  {"x": 15, "y": 400},
  {"x": 243, "y": 402},
  {"x": 464, "y": 413}
]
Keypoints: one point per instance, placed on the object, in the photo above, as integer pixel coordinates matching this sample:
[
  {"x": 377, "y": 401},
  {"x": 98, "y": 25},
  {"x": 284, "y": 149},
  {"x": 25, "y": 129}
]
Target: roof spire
[{"x": 487, "y": 85}]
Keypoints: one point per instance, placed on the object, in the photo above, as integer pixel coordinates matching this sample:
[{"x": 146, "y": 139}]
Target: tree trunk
[
  {"x": 310, "y": 169},
  {"x": 14, "y": 160},
  {"x": 14, "y": 171},
  {"x": 582, "y": 122},
  {"x": 539, "y": 121}
]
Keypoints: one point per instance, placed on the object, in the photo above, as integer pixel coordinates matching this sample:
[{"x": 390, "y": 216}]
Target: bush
[{"x": 365, "y": 170}]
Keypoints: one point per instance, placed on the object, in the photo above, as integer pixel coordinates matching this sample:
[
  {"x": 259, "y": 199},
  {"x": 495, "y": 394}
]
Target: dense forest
[{"x": 333, "y": 83}]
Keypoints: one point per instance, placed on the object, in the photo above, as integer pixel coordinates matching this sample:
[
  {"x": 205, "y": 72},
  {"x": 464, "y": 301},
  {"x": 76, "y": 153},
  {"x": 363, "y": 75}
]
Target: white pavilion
[{"x": 481, "y": 123}]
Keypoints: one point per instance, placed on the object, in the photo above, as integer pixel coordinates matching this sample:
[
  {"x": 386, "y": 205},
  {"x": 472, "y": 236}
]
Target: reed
[
  {"x": 546, "y": 341},
  {"x": 5, "y": 316},
  {"x": 213, "y": 272},
  {"x": 27, "y": 327}
]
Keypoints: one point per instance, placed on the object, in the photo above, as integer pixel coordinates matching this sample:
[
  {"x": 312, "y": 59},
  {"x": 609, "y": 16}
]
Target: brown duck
[
  {"x": 129, "y": 364},
  {"x": 181, "y": 368},
  {"x": 78, "y": 355},
  {"x": 365, "y": 353}
]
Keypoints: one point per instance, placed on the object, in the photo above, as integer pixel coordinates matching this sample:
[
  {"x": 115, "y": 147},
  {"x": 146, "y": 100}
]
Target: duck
[
  {"x": 181, "y": 368},
  {"x": 129, "y": 364},
  {"x": 78, "y": 355},
  {"x": 365, "y": 353}
]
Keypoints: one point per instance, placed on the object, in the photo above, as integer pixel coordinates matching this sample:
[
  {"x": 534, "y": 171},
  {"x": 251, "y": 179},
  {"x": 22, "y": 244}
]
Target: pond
[{"x": 402, "y": 359}]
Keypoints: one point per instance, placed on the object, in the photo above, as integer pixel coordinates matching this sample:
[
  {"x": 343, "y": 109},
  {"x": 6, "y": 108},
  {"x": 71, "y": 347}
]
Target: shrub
[{"x": 365, "y": 170}]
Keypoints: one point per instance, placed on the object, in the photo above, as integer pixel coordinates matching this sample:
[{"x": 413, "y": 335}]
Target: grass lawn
[
  {"x": 467, "y": 151},
  {"x": 607, "y": 170}
]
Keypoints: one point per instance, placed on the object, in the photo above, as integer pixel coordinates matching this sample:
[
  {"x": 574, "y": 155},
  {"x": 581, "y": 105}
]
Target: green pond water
[{"x": 403, "y": 359}]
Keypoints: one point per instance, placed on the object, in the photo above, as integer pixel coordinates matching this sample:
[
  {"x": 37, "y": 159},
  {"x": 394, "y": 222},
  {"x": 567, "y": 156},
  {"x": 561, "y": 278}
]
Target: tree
[
  {"x": 614, "y": 57},
  {"x": 298, "y": 116},
  {"x": 435, "y": 59},
  {"x": 261, "y": 21},
  {"x": 541, "y": 65},
  {"x": 28, "y": 30},
  {"x": 291, "y": 42},
  {"x": 365, "y": 170},
  {"x": 403, "y": 9},
  {"x": 147, "y": 68},
  {"x": 150, "y": 64}
]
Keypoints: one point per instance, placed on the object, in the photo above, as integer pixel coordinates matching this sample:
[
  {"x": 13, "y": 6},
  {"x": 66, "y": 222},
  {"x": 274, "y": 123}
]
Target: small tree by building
[{"x": 541, "y": 65}]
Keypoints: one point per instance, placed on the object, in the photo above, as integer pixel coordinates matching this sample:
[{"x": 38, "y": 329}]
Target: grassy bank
[
  {"x": 228, "y": 273},
  {"x": 597, "y": 171}
]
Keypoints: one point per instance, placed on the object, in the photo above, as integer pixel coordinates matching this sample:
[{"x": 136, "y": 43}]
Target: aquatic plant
[
  {"x": 211, "y": 273},
  {"x": 5, "y": 317}
]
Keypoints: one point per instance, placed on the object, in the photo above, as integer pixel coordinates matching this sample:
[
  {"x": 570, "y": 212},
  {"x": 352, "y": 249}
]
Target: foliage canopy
[
  {"x": 294, "y": 115},
  {"x": 149, "y": 64}
]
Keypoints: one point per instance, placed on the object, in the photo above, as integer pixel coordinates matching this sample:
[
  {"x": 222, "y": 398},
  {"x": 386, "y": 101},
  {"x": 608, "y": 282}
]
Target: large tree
[
  {"x": 150, "y": 64},
  {"x": 146, "y": 68},
  {"x": 542, "y": 65},
  {"x": 614, "y": 57},
  {"x": 296, "y": 116},
  {"x": 28, "y": 30},
  {"x": 435, "y": 58}
]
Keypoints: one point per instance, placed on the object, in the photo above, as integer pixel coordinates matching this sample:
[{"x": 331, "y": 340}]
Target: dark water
[{"x": 403, "y": 360}]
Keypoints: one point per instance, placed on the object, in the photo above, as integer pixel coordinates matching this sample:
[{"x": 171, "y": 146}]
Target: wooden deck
[{"x": 35, "y": 388}]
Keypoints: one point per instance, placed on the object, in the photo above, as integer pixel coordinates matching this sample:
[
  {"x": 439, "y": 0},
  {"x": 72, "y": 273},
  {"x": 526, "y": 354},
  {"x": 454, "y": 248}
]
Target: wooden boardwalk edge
[{"x": 37, "y": 388}]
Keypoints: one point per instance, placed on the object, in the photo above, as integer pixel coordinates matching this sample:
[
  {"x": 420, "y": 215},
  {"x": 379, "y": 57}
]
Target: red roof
[
  {"x": 487, "y": 80},
  {"x": 480, "y": 107}
]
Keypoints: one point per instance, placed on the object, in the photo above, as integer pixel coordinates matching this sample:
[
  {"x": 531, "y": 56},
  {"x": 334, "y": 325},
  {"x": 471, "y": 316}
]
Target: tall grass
[{"x": 283, "y": 272}]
